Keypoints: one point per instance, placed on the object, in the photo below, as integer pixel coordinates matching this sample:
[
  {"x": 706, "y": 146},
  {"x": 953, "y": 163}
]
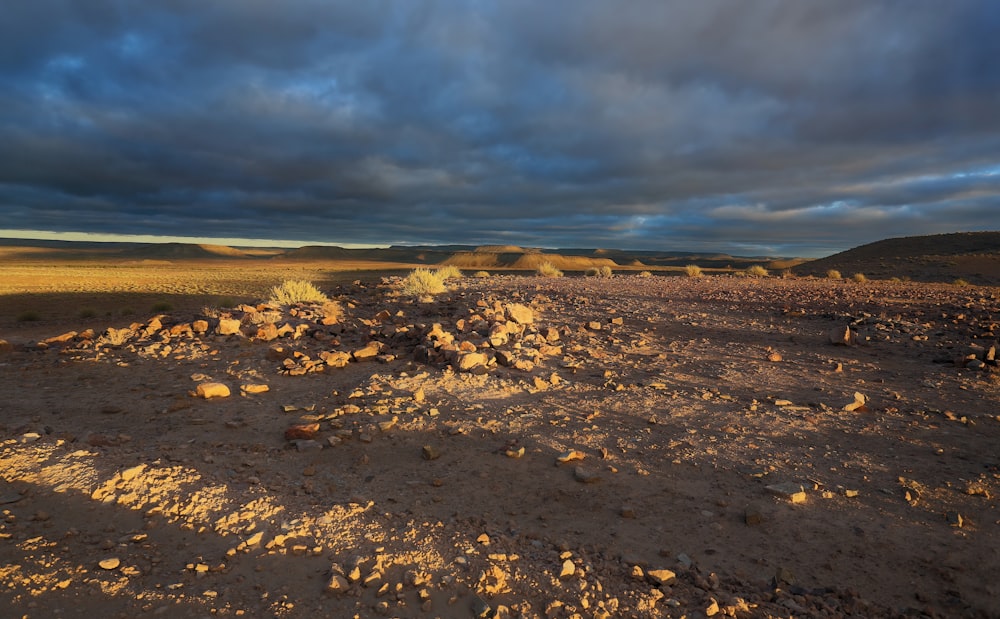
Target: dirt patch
[{"x": 517, "y": 447}]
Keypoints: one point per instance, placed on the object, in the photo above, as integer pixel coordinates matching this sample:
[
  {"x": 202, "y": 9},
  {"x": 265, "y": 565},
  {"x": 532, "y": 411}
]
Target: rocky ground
[{"x": 517, "y": 447}]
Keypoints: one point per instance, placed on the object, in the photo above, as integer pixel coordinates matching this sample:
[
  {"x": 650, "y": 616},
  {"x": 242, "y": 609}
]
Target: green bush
[
  {"x": 290, "y": 292},
  {"x": 449, "y": 272},
  {"x": 547, "y": 269},
  {"x": 756, "y": 271},
  {"x": 422, "y": 282},
  {"x": 693, "y": 270}
]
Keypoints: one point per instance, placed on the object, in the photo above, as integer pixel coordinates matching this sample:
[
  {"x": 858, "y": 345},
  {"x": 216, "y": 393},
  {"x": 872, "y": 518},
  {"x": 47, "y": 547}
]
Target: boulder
[
  {"x": 213, "y": 390},
  {"x": 228, "y": 326}
]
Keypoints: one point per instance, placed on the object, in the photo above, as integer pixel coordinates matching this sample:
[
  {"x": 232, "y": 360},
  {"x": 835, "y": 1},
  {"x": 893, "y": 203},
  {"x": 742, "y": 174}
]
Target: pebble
[
  {"x": 753, "y": 514},
  {"x": 661, "y": 576},
  {"x": 585, "y": 476},
  {"x": 111, "y": 563},
  {"x": 212, "y": 390},
  {"x": 568, "y": 569},
  {"x": 789, "y": 490},
  {"x": 429, "y": 452},
  {"x": 570, "y": 456}
]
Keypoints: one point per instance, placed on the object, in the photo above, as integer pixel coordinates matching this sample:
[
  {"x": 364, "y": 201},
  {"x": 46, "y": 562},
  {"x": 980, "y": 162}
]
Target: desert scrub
[
  {"x": 860, "y": 278},
  {"x": 547, "y": 269},
  {"x": 961, "y": 283},
  {"x": 291, "y": 291},
  {"x": 787, "y": 274},
  {"x": 422, "y": 282},
  {"x": 693, "y": 270},
  {"x": 756, "y": 271},
  {"x": 449, "y": 272},
  {"x": 833, "y": 274},
  {"x": 645, "y": 274},
  {"x": 333, "y": 311},
  {"x": 482, "y": 274},
  {"x": 28, "y": 316},
  {"x": 604, "y": 272}
]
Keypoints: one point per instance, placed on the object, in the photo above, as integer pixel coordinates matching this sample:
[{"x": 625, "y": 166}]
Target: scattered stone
[
  {"x": 254, "y": 388},
  {"x": 228, "y": 326},
  {"x": 627, "y": 511},
  {"x": 713, "y": 608},
  {"x": 472, "y": 360},
  {"x": 302, "y": 431},
  {"x": 520, "y": 313},
  {"x": 570, "y": 456},
  {"x": 661, "y": 576},
  {"x": 954, "y": 519},
  {"x": 586, "y": 476},
  {"x": 568, "y": 569},
  {"x": 753, "y": 514},
  {"x": 792, "y": 491},
  {"x": 774, "y": 357},
  {"x": 213, "y": 390},
  {"x": 367, "y": 353},
  {"x": 841, "y": 336},
  {"x": 850, "y": 493},
  {"x": 860, "y": 400},
  {"x": 515, "y": 452},
  {"x": 337, "y": 584},
  {"x": 429, "y": 452},
  {"x": 111, "y": 563}
]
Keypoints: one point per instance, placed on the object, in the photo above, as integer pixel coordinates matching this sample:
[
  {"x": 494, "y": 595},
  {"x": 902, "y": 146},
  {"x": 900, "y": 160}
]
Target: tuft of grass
[
  {"x": 28, "y": 316},
  {"x": 547, "y": 269},
  {"x": 162, "y": 306},
  {"x": 422, "y": 282},
  {"x": 645, "y": 274},
  {"x": 333, "y": 310},
  {"x": 291, "y": 291},
  {"x": 833, "y": 274},
  {"x": 604, "y": 271},
  {"x": 787, "y": 274},
  {"x": 859, "y": 278},
  {"x": 961, "y": 283},
  {"x": 449, "y": 272},
  {"x": 87, "y": 313},
  {"x": 693, "y": 270},
  {"x": 756, "y": 271},
  {"x": 482, "y": 274}
]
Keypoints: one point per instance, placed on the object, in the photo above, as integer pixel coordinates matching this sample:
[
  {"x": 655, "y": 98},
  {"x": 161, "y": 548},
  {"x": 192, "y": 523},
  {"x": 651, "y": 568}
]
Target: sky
[{"x": 786, "y": 128}]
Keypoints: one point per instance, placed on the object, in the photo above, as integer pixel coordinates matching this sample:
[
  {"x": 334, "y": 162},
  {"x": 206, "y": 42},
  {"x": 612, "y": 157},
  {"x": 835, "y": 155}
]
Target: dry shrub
[
  {"x": 332, "y": 310},
  {"x": 645, "y": 274},
  {"x": 547, "y": 269},
  {"x": 449, "y": 272},
  {"x": 859, "y": 278},
  {"x": 756, "y": 271},
  {"x": 604, "y": 271},
  {"x": 482, "y": 274},
  {"x": 290, "y": 292},
  {"x": 961, "y": 283},
  {"x": 422, "y": 282},
  {"x": 693, "y": 270},
  {"x": 787, "y": 274},
  {"x": 833, "y": 274}
]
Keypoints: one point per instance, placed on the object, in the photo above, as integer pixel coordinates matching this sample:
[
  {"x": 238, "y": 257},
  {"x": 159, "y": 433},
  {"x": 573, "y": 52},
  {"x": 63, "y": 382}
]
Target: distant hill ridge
[{"x": 973, "y": 256}]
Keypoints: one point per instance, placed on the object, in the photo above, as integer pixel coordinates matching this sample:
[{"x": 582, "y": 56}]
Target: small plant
[
  {"x": 162, "y": 306},
  {"x": 547, "y": 269},
  {"x": 422, "y": 282},
  {"x": 449, "y": 272},
  {"x": 693, "y": 270},
  {"x": 605, "y": 272},
  {"x": 645, "y": 274},
  {"x": 290, "y": 292},
  {"x": 961, "y": 283},
  {"x": 28, "y": 316},
  {"x": 482, "y": 274},
  {"x": 787, "y": 274},
  {"x": 859, "y": 278},
  {"x": 833, "y": 274},
  {"x": 591, "y": 272},
  {"x": 87, "y": 313},
  {"x": 756, "y": 271}
]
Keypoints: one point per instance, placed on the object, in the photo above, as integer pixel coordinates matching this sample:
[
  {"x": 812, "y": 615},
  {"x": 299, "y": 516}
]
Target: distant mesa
[
  {"x": 499, "y": 249},
  {"x": 972, "y": 256}
]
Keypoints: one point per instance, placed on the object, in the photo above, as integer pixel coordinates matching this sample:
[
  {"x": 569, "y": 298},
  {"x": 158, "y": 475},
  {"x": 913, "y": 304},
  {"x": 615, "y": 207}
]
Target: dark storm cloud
[{"x": 788, "y": 127}]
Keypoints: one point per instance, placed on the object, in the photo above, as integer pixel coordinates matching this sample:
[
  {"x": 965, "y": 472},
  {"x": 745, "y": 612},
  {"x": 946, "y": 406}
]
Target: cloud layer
[{"x": 779, "y": 127}]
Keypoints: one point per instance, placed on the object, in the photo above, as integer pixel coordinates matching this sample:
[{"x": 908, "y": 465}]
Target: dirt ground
[{"x": 516, "y": 447}]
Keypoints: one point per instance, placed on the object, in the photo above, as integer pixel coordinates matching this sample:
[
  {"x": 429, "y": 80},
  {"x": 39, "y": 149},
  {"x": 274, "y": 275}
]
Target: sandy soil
[{"x": 717, "y": 459}]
